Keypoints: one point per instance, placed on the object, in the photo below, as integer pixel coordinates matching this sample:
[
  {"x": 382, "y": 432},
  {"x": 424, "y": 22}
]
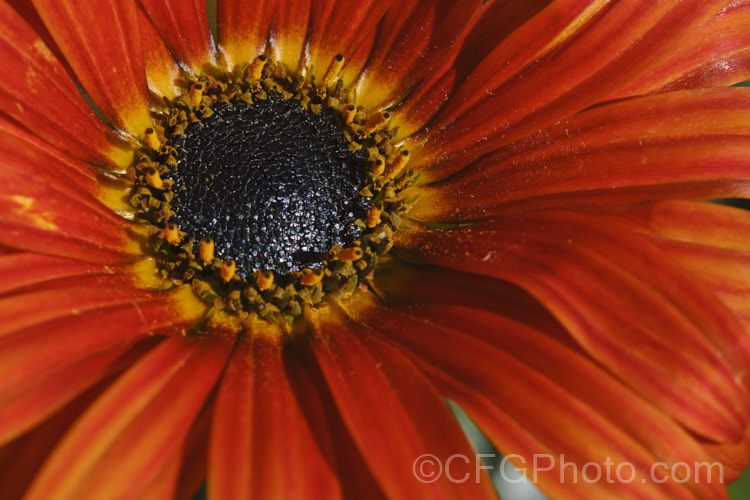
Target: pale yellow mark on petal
[
  {"x": 31, "y": 76},
  {"x": 255, "y": 325},
  {"x": 162, "y": 83},
  {"x": 222, "y": 324},
  {"x": 189, "y": 306},
  {"x": 44, "y": 51},
  {"x": 42, "y": 220},
  {"x": 121, "y": 156},
  {"x": 148, "y": 276},
  {"x": 118, "y": 200},
  {"x": 585, "y": 16}
]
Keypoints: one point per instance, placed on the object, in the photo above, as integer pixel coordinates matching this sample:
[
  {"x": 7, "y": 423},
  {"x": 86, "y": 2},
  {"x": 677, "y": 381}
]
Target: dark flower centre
[
  {"x": 272, "y": 183},
  {"x": 268, "y": 193}
]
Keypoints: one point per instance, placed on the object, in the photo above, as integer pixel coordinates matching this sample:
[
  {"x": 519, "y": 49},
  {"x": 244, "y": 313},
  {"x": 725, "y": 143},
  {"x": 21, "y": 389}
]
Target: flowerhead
[{"x": 262, "y": 259}]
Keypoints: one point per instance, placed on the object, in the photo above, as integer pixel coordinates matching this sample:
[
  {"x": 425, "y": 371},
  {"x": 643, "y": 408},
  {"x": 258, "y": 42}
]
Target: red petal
[
  {"x": 38, "y": 93},
  {"x": 337, "y": 26},
  {"x": 100, "y": 40},
  {"x": 289, "y": 33},
  {"x": 183, "y": 25},
  {"x": 21, "y": 459},
  {"x": 20, "y": 270},
  {"x": 413, "y": 42},
  {"x": 26, "y": 238},
  {"x": 354, "y": 475},
  {"x": 514, "y": 51},
  {"x": 715, "y": 46},
  {"x": 27, "y": 157},
  {"x": 378, "y": 390},
  {"x": 26, "y": 309},
  {"x": 259, "y": 431},
  {"x": 39, "y": 205},
  {"x": 554, "y": 84},
  {"x": 53, "y": 162},
  {"x": 628, "y": 307},
  {"x": 44, "y": 347},
  {"x": 192, "y": 473},
  {"x": 686, "y": 144},
  {"x": 162, "y": 71},
  {"x": 26, "y": 9},
  {"x": 409, "y": 284},
  {"x": 734, "y": 456},
  {"x": 32, "y": 400},
  {"x": 164, "y": 484},
  {"x": 494, "y": 22},
  {"x": 718, "y": 73},
  {"x": 709, "y": 240},
  {"x": 533, "y": 395},
  {"x": 121, "y": 443},
  {"x": 243, "y": 28}
]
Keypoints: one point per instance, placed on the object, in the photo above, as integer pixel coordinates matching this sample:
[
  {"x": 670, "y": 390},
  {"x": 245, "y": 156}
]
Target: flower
[{"x": 560, "y": 277}]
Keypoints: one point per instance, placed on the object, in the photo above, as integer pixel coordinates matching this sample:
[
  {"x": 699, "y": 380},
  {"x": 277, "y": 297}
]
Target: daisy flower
[{"x": 259, "y": 258}]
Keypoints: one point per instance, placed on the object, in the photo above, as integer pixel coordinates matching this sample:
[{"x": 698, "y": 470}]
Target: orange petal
[
  {"x": 289, "y": 33},
  {"x": 38, "y": 93},
  {"x": 376, "y": 388},
  {"x": 125, "y": 438},
  {"x": 100, "y": 40},
  {"x": 414, "y": 41},
  {"x": 243, "y": 29},
  {"x": 162, "y": 71},
  {"x": 554, "y": 84},
  {"x": 716, "y": 46},
  {"x": 579, "y": 413},
  {"x": 260, "y": 433},
  {"x": 624, "y": 303},
  {"x": 183, "y": 25},
  {"x": 19, "y": 270},
  {"x": 35, "y": 398},
  {"x": 677, "y": 144}
]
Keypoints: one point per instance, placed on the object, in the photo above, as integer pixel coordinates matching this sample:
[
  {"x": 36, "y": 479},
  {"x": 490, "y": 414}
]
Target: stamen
[
  {"x": 349, "y": 112},
  {"x": 154, "y": 179},
  {"x": 373, "y": 216},
  {"x": 255, "y": 71},
  {"x": 377, "y": 122},
  {"x": 228, "y": 268},
  {"x": 311, "y": 277},
  {"x": 172, "y": 234},
  {"x": 264, "y": 280},
  {"x": 206, "y": 250},
  {"x": 378, "y": 166},
  {"x": 333, "y": 71},
  {"x": 349, "y": 254},
  {"x": 152, "y": 139},
  {"x": 196, "y": 94},
  {"x": 397, "y": 165}
]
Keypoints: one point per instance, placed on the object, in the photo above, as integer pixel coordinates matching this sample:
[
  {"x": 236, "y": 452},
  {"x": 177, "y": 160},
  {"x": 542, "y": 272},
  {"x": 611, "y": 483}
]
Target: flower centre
[
  {"x": 274, "y": 185},
  {"x": 268, "y": 193}
]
